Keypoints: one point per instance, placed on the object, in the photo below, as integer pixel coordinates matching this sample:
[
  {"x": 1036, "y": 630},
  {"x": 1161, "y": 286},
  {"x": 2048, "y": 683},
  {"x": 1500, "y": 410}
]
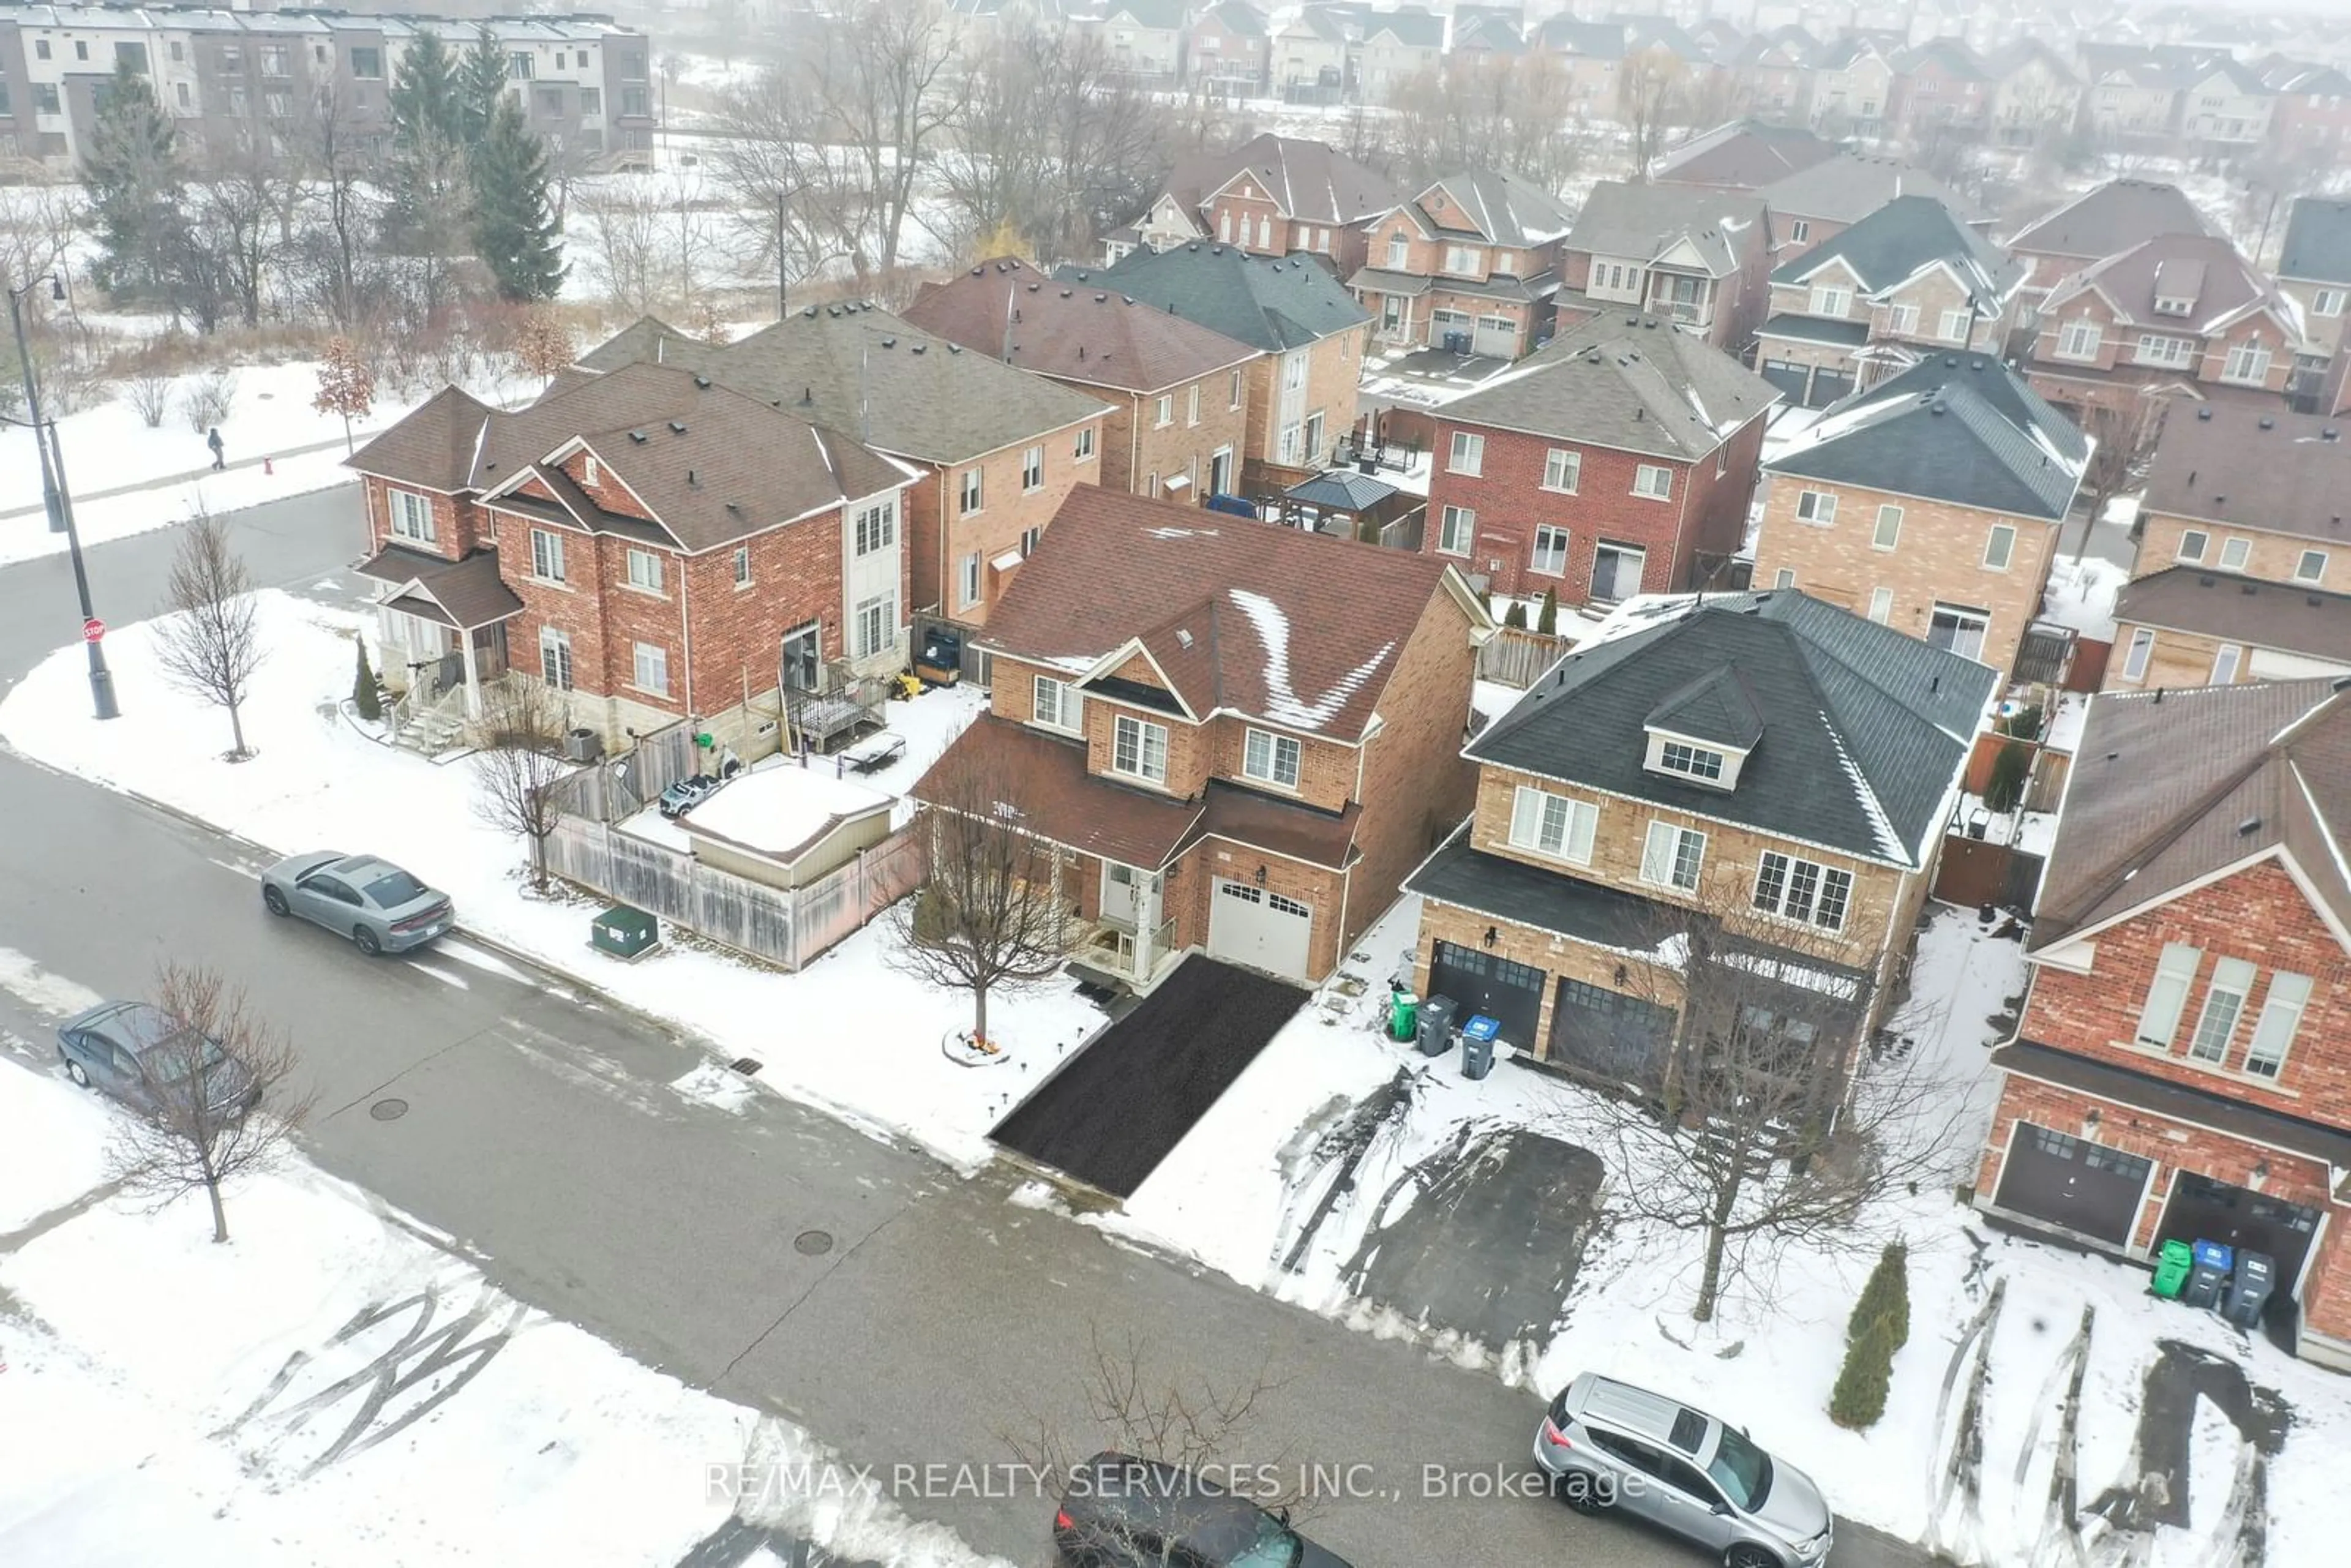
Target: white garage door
[
  {"x": 1263, "y": 930},
  {"x": 1445, "y": 324},
  {"x": 1498, "y": 336}
]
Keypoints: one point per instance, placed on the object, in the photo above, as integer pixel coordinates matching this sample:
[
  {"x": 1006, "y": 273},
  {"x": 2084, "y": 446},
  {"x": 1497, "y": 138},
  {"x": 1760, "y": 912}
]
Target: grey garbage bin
[
  {"x": 2209, "y": 1278},
  {"x": 2250, "y": 1292},
  {"x": 1478, "y": 1046},
  {"x": 1436, "y": 1026}
]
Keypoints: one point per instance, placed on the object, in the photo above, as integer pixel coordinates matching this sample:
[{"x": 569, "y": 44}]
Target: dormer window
[
  {"x": 1698, "y": 761},
  {"x": 2172, "y": 305},
  {"x": 1703, "y": 732}
]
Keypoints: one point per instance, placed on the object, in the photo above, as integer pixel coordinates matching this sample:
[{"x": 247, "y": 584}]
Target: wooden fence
[
  {"x": 1977, "y": 871},
  {"x": 1517, "y": 657},
  {"x": 788, "y": 927},
  {"x": 623, "y": 786}
]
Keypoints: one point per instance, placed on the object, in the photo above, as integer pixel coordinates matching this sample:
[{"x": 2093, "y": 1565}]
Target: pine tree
[
  {"x": 346, "y": 385},
  {"x": 367, "y": 693},
  {"x": 423, "y": 100},
  {"x": 133, "y": 170},
  {"x": 515, "y": 231},
  {"x": 426, "y": 178},
  {"x": 481, "y": 85}
]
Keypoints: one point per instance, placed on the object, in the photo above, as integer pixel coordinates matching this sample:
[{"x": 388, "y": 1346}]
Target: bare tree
[
  {"x": 625, "y": 230},
  {"x": 991, "y": 918},
  {"x": 210, "y": 642},
  {"x": 2123, "y": 438},
  {"x": 212, "y": 1101},
  {"x": 542, "y": 344},
  {"x": 520, "y": 762},
  {"x": 240, "y": 228},
  {"x": 330, "y": 256},
  {"x": 148, "y": 390},
  {"x": 1651, "y": 98},
  {"x": 207, "y": 398}
]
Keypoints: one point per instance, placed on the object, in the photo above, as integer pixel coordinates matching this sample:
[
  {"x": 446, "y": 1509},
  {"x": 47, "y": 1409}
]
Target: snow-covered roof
[{"x": 781, "y": 812}]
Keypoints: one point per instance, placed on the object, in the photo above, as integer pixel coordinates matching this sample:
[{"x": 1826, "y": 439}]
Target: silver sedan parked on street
[{"x": 379, "y": 906}]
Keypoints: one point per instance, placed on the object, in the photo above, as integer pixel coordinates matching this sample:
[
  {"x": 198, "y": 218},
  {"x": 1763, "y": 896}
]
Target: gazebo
[{"x": 1347, "y": 502}]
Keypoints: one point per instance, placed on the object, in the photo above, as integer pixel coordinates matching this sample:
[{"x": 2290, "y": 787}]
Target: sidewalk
[{"x": 192, "y": 475}]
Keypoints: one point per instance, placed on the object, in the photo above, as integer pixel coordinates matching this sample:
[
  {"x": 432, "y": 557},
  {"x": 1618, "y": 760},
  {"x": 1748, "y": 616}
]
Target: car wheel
[
  {"x": 365, "y": 940},
  {"x": 1748, "y": 1555},
  {"x": 1580, "y": 1491},
  {"x": 74, "y": 1070},
  {"x": 275, "y": 902}
]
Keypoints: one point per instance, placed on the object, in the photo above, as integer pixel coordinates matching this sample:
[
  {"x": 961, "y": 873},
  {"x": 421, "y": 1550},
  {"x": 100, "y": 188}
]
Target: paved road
[{"x": 540, "y": 1133}]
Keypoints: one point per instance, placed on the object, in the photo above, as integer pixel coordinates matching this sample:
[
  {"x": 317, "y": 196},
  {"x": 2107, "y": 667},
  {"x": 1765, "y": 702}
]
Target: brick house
[
  {"x": 1852, "y": 88},
  {"x": 1308, "y": 332},
  {"x": 2315, "y": 272},
  {"x": 995, "y": 451},
  {"x": 1741, "y": 155},
  {"x": 2224, "y": 109},
  {"x": 1593, "y": 54},
  {"x": 2103, "y": 221},
  {"x": 1940, "y": 87},
  {"x": 1619, "y": 459},
  {"x": 1242, "y": 737},
  {"x": 2180, "y": 316},
  {"x": 2179, "y": 1071},
  {"x": 1702, "y": 257},
  {"x": 1930, "y": 504},
  {"x": 2036, "y": 97},
  {"x": 2310, "y": 121},
  {"x": 1476, "y": 253},
  {"x": 1695, "y": 760},
  {"x": 1227, "y": 46},
  {"x": 1813, "y": 205},
  {"x": 656, "y": 545},
  {"x": 1143, "y": 40},
  {"x": 2133, "y": 102},
  {"x": 1179, "y": 392},
  {"x": 2243, "y": 570},
  {"x": 1908, "y": 281},
  {"x": 1272, "y": 195}
]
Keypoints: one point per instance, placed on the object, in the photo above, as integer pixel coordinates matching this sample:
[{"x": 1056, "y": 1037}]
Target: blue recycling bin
[{"x": 1478, "y": 1038}]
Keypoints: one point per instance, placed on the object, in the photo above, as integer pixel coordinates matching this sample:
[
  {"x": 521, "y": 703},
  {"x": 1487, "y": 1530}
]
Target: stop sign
[{"x": 92, "y": 630}]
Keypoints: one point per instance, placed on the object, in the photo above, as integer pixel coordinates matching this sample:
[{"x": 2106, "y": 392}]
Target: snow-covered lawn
[
  {"x": 869, "y": 1045},
  {"x": 235, "y": 1407},
  {"x": 2082, "y": 595}
]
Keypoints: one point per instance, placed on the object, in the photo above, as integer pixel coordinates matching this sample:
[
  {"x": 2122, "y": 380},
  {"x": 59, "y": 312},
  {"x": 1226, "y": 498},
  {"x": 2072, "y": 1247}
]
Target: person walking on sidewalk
[{"x": 214, "y": 440}]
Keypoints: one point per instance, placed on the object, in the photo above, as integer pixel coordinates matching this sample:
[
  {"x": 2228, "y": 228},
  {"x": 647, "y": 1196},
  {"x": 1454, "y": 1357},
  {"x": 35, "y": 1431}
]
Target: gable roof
[
  {"x": 1627, "y": 381},
  {"x": 2317, "y": 246},
  {"x": 2204, "y": 270},
  {"x": 2020, "y": 55},
  {"x": 2286, "y": 618},
  {"x": 1592, "y": 40},
  {"x": 2109, "y": 218},
  {"x": 2171, "y": 789},
  {"x": 1950, "y": 57},
  {"x": 1645, "y": 221},
  {"x": 862, "y": 371},
  {"x": 1408, "y": 25},
  {"x": 1961, "y": 428},
  {"x": 1266, "y": 302},
  {"x": 1474, "y": 30},
  {"x": 1510, "y": 212},
  {"x": 1299, "y": 629},
  {"x": 1743, "y": 155},
  {"x": 1236, "y": 18},
  {"x": 1864, "y": 731},
  {"x": 1009, "y": 310},
  {"x": 1165, "y": 16},
  {"x": 2255, "y": 468},
  {"x": 1308, "y": 180},
  {"x": 433, "y": 446},
  {"x": 1850, "y": 186},
  {"x": 1902, "y": 239}
]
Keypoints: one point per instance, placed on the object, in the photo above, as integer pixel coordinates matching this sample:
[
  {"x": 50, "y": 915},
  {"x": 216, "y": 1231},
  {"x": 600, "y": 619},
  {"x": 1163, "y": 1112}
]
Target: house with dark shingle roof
[
  {"x": 1700, "y": 256},
  {"x": 2225, "y": 108},
  {"x": 996, "y": 448},
  {"x": 1593, "y": 53},
  {"x": 1761, "y": 780},
  {"x": 1741, "y": 155},
  {"x": 1239, "y": 737},
  {"x": 2036, "y": 97},
  {"x": 1910, "y": 279},
  {"x": 1272, "y": 195},
  {"x": 1618, "y": 460},
  {"x": 1396, "y": 46},
  {"x": 2181, "y": 1070},
  {"x": 650, "y": 543},
  {"x": 1474, "y": 258},
  {"x": 1929, "y": 503},
  {"x": 1815, "y": 204},
  {"x": 2315, "y": 271},
  {"x": 1940, "y": 87}
]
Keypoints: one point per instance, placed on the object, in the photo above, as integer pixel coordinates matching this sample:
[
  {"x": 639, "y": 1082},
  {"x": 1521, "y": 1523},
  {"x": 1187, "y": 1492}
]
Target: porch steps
[{"x": 437, "y": 728}]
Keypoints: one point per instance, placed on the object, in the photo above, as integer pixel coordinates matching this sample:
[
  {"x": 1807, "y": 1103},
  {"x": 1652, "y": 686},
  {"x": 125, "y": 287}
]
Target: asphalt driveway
[{"x": 1115, "y": 1108}]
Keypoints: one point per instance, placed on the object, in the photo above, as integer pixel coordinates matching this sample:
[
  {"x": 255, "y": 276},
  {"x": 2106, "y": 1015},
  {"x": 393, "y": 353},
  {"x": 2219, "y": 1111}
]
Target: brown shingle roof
[
  {"x": 1060, "y": 802},
  {"x": 2113, "y": 217},
  {"x": 1010, "y": 310},
  {"x": 2169, "y": 788},
  {"x": 2290, "y": 619},
  {"x": 2257, "y": 468},
  {"x": 461, "y": 593},
  {"x": 1298, "y": 629},
  {"x": 2202, "y": 269},
  {"x": 432, "y": 446},
  {"x": 1310, "y": 180}
]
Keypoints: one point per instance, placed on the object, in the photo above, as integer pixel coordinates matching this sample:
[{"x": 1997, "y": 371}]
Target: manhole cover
[
  {"x": 389, "y": 1109},
  {"x": 814, "y": 1243}
]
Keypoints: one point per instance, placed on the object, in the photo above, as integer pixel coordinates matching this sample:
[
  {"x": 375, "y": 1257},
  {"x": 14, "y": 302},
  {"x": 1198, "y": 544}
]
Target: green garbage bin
[
  {"x": 1404, "y": 1015},
  {"x": 624, "y": 932},
  {"x": 2172, "y": 1267}
]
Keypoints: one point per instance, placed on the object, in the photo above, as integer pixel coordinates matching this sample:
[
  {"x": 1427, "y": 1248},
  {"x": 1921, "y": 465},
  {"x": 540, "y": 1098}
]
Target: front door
[
  {"x": 803, "y": 657},
  {"x": 489, "y": 652}
]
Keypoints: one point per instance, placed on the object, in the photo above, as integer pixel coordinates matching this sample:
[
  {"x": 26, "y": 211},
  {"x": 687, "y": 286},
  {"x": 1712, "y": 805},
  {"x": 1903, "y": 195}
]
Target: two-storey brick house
[
  {"x": 2103, "y": 221},
  {"x": 1272, "y": 195},
  {"x": 2243, "y": 570},
  {"x": 1703, "y": 775},
  {"x": 1908, "y": 281},
  {"x": 1815, "y": 204},
  {"x": 995, "y": 451},
  {"x": 652, "y": 544},
  {"x": 1929, "y": 504},
  {"x": 1702, "y": 257},
  {"x": 1472, "y": 262},
  {"x": 1227, "y": 48},
  {"x": 1308, "y": 333},
  {"x": 1179, "y": 391},
  {"x": 1618, "y": 460},
  {"x": 2179, "y": 1070},
  {"x": 2315, "y": 272},
  {"x": 1940, "y": 87},
  {"x": 1242, "y": 737}
]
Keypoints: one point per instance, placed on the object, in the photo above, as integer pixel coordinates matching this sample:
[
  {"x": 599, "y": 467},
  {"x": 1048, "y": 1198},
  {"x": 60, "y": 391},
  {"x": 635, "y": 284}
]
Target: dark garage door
[
  {"x": 2202, "y": 1209},
  {"x": 1622, "y": 1039},
  {"x": 1828, "y": 386},
  {"x": 1510, "y": 993},
  {"x": 2085, "y": 1187}
]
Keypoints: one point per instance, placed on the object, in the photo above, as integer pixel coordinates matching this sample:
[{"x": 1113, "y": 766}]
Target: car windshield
[
  {"x": 392, "y": 889},
  {"x": 1275, "y": 1546},
  {"x": 1741, "y": 1469},
  {"x": 170, "y": 1060}
]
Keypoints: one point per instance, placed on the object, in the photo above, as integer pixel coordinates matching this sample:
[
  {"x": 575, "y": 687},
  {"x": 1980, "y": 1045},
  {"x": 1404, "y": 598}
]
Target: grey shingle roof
[
  {"x": 1961, "y": 428},
  {"x": 1508, "y": 210},
  {"x": 2291, "y": 618},
  {"x": 1816, "y": 329},
  {"x": 1850, "y": 186},
  {"x": 1864, "y": 734},
  {"x": 1904, "y": 237},
  {"x": 1744, "y": 154},
  {"x": 2113, "y": 217},
  {"x": 1274, "y": 304},
  {"x": 1593, "y": 40},
  {"x": 1625, "y": 380},
  {"x": 2318, "y": 240},
  {"x": 2255, "y": 466},
  {"x": 1645, "y": 221},
  {"x": 2203, "y": 270}
]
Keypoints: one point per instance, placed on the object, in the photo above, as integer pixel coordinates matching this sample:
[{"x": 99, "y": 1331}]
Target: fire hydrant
[{"x": 267, "y": 467}]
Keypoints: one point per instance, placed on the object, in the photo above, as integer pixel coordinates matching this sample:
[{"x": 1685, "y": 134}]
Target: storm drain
[
  {"x": 389, "y": 1109},
  {"x": 812, "y": 1243},
  {"x": 746, "y": 1065}
]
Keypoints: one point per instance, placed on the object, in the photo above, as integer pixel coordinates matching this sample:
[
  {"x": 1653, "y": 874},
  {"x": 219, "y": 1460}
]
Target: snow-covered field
[
  {"x": 332, "y": 1386},
  {"x": 318, "y": 782}
]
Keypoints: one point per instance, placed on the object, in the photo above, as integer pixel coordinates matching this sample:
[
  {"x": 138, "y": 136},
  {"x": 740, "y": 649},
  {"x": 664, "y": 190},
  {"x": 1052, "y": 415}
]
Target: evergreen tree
[
  {"x": 133, "y": 167},
  {"x": 424, "y": 179},
  {"x": 425, "y": 100},
  {"x": 481, "y": 84},
  {"x": 515, "y": 231}
]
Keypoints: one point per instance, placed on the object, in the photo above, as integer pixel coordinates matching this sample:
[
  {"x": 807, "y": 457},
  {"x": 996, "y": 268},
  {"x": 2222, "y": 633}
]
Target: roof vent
[
  {"x": 1034, "y": 287},
  {"x": 2204, "y": 582},
  {"x": 2339, "y": 683},
  {"x": 1065, "y": 294},
  {"x": 693, "y": 479},
  {"x": 832, "y": 311},
  {"x": 809, "y": 311},
  {"x": 639, "y": 436},
  {"x": 1100, "y": 299},
  {"x": 888, "y": 343},
  {"x": 980, "y": 271},
  {"x": 735, "y": 507},
  {"x": 918, "y": 348},
  {"x": 2251, "y": 825},
  {"x": 2204, "y": 413},
  {"x": 677, "y": 427},
  {"x": 1183, "y": 638},
  {"x": 2268, "y": 423},
  {"x": 2330, "y": 434},
  {"x": 1129, "y": 298},
  {"x": 1083, "y": 277},
  {"x": 702, "y": 381},
  {"x": 2314, "y": 602},
  {"x": 1951, "y": 361}
]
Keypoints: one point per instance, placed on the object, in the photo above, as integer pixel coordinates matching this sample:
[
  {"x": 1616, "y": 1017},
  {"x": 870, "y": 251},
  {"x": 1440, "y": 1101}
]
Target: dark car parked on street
[
  {"x": 1123, "y": 1512},
  {"x": 139, "y": 1054}
]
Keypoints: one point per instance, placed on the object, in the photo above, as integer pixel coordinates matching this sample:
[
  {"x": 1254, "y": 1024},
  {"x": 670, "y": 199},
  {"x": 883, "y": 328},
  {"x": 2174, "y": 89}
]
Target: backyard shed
[{"x": 786, "y": 825}]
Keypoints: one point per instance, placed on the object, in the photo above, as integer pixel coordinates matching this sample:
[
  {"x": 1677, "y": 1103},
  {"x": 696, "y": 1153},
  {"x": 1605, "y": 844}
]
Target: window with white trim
[
  {"x": 411, "y": 516},
  {"x": 646, "y": 571},
  {"x": 1469, "y": 453},
  {"x": 2326, "y": 301},
  {"x": 588, "y": 471},
  {"x": 1084, "y": 449},
  {"x": 1960, "y": 628},
  {"x": 1562, "y": 470},
  {"x": 1881, "y": 605},
  {"x": 1162, "y": 411},
  {"x": 1655, "y": 481},
  {"x": 2192, "y": 545},
  {"x": 651, "y": 671},
  {"x": 546, "y": 555},
  {"x": 1139, "y": 749},
  {"x": 1270, "y": 757},
  {"x": 967, "y": 578},
  {"x": 2163, "y": 348},
  {"x": 1463, "y": 260},
  {"x": 1784, "y": 578},
  {"x": 1060, "y": 705},
  {"x": 555, "y": 657},
  {"x": 1237, "y": 391},
  {"x": 2248, "y": 361},
  {"x": 2080, "y": 340},
  {"x": 1550, "y": 549},
  {"x": 2166, "y": 994},
  {"x": 1672, "y": 856},
  {"x": 2226, "y": 661},
  {"x": 2312, "y": 566},
  {"x": 1457, "y": 531},
  {"x": 1999, "y": 547},
  {"x": 1032, "y": 462},
  {"x": 876, "y": 527},
  {"x": 2135, "y": 657},
  {"x": 1955, "y": 325},
  {"x": 1552, "y": 825},
  {"x": 1902, "y": 319},
  {"x": 877, "y": 625},
  {"x": 1697, "y": 762},
  {"x": 1031, "y": 537},
  {"x": 1799, "y": 231},
  {"x": 742, "y": 566},
  {"x": 2281, "y": 1015},
  {"x": 1399, "y": 253},
  {"x": 1795, "y": 889},
  {"x": 2235, "y": 553},
  {"x": 1888, "y": 531},
  {"x": 1817, "y": 506},
  {"x": 975, "y": 491},
  {"x": 2224, "y": 1004},
  {"x": 1830, "y": 300}
]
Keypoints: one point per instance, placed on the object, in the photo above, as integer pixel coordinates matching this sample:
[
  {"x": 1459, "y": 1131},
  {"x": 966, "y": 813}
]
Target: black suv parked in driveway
[{"x": 1123, "y": 1512}]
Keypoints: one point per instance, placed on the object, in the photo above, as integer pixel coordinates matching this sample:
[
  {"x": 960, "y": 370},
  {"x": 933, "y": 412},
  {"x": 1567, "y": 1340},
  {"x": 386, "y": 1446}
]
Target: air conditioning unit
[{"x": 582, "y": 744}]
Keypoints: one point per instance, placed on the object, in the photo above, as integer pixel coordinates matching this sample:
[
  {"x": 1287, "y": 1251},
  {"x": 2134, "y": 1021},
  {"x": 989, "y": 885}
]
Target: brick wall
[
  {"x": 1556, "y": 957},
  {"x": 459, "y": 527},
  {"x": 1237, "y": 217},
  {"x": 1333, "y": 366},
  {"x": 2272, "y": 557},
  {"x": 1183, "y": 446},
  {"x": 2116, "y": 355},
  {"x": 1008, "y": 510},
  {"x": 2175, "y": 659},
  {"x": 1188, "y": 749},
  {"x": 1937, "y": 555},
  {"x": 1190, "y": 895},
  {"x": 1326, "y": 768},
  {"x": 1417, "y": 785}
]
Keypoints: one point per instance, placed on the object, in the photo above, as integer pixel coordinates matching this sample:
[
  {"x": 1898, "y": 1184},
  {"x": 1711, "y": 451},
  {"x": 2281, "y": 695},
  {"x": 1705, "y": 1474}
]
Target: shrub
[
  {"x": 2005, "y": 788},
  {"x": 1518, "y": 614},
  {"x": 1886, "y": 1293},
  {"x": 1880, "y": 1326},
  {"x": 207, "y": 398},
  {"x": 367, "y": 693},
  {"x": 1547, "y": 619}
]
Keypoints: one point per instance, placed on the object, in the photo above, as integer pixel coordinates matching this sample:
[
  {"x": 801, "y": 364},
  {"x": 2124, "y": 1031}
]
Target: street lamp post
[{"x": 58, "y": 501}]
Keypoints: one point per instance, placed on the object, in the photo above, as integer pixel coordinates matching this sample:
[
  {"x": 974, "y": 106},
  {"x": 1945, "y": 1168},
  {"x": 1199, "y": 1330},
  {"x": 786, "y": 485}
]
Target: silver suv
[{"x": 1610, "y": 1445}]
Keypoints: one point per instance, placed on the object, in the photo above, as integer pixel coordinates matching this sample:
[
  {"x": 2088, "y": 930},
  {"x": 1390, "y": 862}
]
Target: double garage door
[{"x": 1262, "y": 929}]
